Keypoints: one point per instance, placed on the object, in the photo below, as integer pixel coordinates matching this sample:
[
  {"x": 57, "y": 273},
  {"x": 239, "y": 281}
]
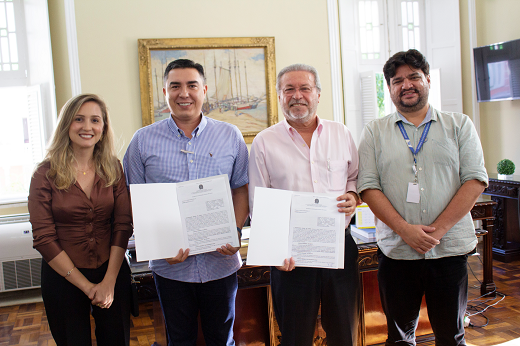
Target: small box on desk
[{"x": 365, "y": 235}]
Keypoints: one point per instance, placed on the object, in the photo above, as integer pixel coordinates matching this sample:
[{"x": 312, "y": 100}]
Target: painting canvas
[{"x": 238, "y": 77}]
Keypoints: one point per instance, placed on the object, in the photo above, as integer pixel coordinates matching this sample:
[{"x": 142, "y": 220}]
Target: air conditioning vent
[{"x": 21, "y": 274}]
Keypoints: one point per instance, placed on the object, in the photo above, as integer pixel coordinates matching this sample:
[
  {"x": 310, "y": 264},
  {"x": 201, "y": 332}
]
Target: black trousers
[
  {"x": 182, "y": 302},
  {"x": 297, "y": 295},
  {"x": 443, "y": 282},
  {"x": 68, "y": 309}
]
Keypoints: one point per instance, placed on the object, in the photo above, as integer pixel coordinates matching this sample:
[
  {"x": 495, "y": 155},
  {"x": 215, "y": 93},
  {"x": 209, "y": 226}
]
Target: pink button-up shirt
[{"x": 281, "y": 159}]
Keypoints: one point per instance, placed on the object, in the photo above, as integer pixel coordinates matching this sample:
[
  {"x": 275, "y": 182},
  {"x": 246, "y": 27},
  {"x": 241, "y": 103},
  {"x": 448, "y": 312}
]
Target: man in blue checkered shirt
[{"x": 189, "y": 146}]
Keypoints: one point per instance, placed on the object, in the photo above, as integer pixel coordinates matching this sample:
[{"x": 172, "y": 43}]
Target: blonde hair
[{"x": 60, "y": 154}]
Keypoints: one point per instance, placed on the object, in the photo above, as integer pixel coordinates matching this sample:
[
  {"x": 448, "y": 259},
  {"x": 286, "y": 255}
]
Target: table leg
[{"x": 488, "y": 285}]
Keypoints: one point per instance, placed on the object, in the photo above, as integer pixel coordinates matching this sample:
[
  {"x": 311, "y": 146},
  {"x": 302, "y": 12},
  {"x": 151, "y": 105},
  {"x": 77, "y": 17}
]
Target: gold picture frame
[{"x": 240, "y": 74}]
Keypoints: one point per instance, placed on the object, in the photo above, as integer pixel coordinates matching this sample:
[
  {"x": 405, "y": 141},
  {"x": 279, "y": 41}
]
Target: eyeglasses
[{"x": 303, "y": 90}]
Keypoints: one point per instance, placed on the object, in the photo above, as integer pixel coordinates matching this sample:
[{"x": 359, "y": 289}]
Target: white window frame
[
  {"x": 39, "y": 60},
  {"x": 442, "y": 51},
  {"x": 20, "y": 76}
]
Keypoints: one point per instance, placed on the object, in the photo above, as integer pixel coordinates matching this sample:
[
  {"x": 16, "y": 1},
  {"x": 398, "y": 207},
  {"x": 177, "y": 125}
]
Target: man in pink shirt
[{"x": 309, "y": 154}]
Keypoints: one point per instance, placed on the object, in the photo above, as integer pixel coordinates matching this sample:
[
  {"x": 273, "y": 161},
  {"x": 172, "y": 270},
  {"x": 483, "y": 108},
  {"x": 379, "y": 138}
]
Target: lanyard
[{"x": 419, "y": 145}]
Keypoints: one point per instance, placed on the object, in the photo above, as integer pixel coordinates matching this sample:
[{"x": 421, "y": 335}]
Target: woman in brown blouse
[{"x": 81, "y": 220}]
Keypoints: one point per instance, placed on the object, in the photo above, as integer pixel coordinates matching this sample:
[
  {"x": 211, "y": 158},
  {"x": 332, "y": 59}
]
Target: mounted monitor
[{"x": 497, "y": 71}]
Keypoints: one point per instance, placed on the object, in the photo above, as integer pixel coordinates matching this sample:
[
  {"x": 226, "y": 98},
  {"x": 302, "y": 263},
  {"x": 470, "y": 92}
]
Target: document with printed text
[
  {"x": 196, "y": 214},
  {"x": 305, "y": 226}
]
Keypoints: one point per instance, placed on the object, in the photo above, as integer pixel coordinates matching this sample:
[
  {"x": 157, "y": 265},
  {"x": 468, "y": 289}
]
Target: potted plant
[{"x": 505, "y": 169}]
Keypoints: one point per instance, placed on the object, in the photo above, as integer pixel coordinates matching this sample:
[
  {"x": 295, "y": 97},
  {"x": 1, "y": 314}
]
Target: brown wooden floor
[{"x": 27, "y": 324}]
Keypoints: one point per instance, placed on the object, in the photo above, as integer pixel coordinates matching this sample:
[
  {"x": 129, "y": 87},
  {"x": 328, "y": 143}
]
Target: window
[
  {"x": 370, "y": 30},
  {"x": 12, "y": 43},
  {"x": 410, "y": 29},
  {"x": 20, "y": 140},
  {"x": 27, "y": 103}
]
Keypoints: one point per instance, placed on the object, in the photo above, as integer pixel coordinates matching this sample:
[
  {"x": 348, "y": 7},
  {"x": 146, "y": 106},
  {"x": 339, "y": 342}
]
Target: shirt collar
[
  {"x": 291, "y": 130},
  {"x": 196, "y": 132},
  {"x": 429, "y": 116}
]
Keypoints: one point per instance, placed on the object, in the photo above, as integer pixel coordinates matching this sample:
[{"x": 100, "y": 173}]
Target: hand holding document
[
  {"x": 305, "y": 226},
  {"x": 196, "y": 214}
]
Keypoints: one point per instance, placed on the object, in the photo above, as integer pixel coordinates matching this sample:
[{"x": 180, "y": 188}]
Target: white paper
[
  {"x": 163, "y": 213},
  {"x": 315, "y": 230},
  {"x": 157, "y": 221},
  {"x": 365, "y": 217},
  {"x": 269, "y": 234},
  {"x": 207, "y": 214},
  {"x": 276, "y": 212}
]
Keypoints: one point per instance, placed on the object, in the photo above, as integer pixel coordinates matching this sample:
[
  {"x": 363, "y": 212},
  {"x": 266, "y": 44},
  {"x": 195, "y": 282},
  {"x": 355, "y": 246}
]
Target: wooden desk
[
  {"x": 506, "y": 233},
  {"x": 255, "y": 322}
]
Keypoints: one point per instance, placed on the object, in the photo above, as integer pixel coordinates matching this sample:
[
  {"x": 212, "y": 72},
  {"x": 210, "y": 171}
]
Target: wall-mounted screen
[{"x": 497, "y": 71}]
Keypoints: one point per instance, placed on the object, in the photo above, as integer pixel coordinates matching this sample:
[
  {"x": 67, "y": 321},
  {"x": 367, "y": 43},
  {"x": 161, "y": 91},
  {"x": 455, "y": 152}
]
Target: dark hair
[
  {"x": 411, "y": 57},
  {"x": 184, "y": 63}
]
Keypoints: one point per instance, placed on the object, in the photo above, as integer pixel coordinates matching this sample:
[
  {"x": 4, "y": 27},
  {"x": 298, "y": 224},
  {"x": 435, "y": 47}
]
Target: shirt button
[
  {"x": 424, "y": 211},
  {"x": 422, "y": 188},
  {"x": 312, "y": 162},
  {"x": 315, "y": 181},
  {"x": 189, "y": 143},
  {"x": 420, "y": 168},
  {"x": 191, "y": 161}
]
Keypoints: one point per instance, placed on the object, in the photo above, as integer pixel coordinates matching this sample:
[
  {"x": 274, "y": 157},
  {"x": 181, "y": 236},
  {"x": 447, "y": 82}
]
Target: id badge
[{"x": 413, "y": 195}]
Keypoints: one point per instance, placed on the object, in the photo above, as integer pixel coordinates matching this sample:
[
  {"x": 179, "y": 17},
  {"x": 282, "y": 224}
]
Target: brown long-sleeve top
[{"x": 68, "y": 220}]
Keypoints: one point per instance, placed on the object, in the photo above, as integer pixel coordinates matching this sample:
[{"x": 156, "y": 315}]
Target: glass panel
[
  {"x": 10, "y": 17},
  {"x": 3, "y": 21},
  {"x": 370, "y": 40},
  {"x": 363, "y": 40},
  {"x": 363, "y": 56},
  {"x": 15, "y": 67},
  {"x": 7, "y": 67},
  {"x": 14, "y": 47},
  {"x": 411, "y": 40},
  {"x": 405, "y": 39},
  {"x": 3, "y": 32},
  {"x": 362, "y": 20},
  {"x": 4, "y": 44},
  {"x": 371, "y": 56},
  {"x": 380, "y": 90},
  {"x": 409, "y": 12},
  {"x": 377, "y": 39},
  {"x": 375, "y": 13},
  {"x": 403, "y": 14},
  {"x": 416, "y": 13},
  {"x": 368, "y": 11},
  {"x": 417, "y": 38}
]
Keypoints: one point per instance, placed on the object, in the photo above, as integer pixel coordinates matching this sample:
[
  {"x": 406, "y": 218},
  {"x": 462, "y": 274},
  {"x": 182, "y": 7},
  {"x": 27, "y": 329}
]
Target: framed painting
[{"x": 240, "y": 74}]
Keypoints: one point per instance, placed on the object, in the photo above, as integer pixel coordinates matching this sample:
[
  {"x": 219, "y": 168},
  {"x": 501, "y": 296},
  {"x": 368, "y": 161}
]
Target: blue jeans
[
  {"x": 444, "y": 283},
  {"x": 181, "y": 303}
]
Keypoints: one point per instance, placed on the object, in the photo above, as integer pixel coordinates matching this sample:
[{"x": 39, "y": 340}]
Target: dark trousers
[
  {"x": 444, "y": 283},
  {"x": 68, "y": 309},
  {"x": 297, "y": 295},
  {"x": 181, "y": 303}
]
